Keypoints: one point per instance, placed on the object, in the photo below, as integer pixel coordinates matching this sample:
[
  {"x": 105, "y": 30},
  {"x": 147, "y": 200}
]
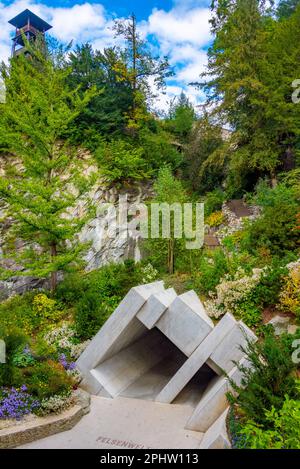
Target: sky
[{"x": 177, "y": 28}]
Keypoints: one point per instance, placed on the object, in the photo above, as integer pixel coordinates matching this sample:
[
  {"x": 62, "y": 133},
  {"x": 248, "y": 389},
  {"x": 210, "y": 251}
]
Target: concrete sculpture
[{"x": 161, "y": 346}]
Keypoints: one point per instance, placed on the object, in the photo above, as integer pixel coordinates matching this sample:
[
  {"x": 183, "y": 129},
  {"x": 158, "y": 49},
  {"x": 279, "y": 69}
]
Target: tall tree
[
  {"x": 247, "y": 91},
  {"x": 43, "y": 178},
  {"x": 182, "y": 117},
  {"x": 140, "y": 67},
  {"x": 106, "y": 112}
]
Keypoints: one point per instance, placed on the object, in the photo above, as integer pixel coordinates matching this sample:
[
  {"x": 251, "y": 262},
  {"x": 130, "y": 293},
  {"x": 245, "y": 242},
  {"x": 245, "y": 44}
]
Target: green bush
[
  {"x": 102, "y": 290},
  {"x": 269, "y": 379},
  {"x": 91, "y": 313},
  {"x": 14, "y": 341},
  {"x": 282, "y": 432},
  {"x": 212, "y": 268},
  {"x": 275, "y": 229},
  {"x": 120, "y": 161},
  {"x": 17, "y": 313},
  {"x": 213, "y": 201},
  {"x": 45, "y": 379},
  {"x": 70, "y": 290}
]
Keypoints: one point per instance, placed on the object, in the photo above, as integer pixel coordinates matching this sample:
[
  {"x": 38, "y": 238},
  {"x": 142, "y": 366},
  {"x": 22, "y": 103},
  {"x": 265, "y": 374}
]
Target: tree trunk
[
  {"x": 53, "y": 274},
  {"x": 171, "y": 256},
  {"x": 274, "y": 180}
]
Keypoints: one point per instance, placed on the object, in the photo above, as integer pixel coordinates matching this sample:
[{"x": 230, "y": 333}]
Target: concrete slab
[
  {"x": 229, "y": 351},
  {"x": 214, "y": 401},
  {"x": 123, "y": 423},
  {"x": 119, "y": 331},
  {"x": 155, "y": 307},
  {"x": 197, "y": 359},
  {"x": 186, "y": 323}
]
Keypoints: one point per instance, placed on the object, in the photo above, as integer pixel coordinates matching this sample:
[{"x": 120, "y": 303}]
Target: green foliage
[
  {"x": 17, "y": 313},
  {"x": 45, "y": 379},
  {"x": 14, "y": 341},
  {"x": 270, "y": 377},
  {"x": 213, "y": 201},
  {"x": 287, "y": 8},
  {"x": 181, "y": 117},
  {"x": 166, "y": 244},
  {"x": 106, "y": 113},
  {"x": 101, "y": 292},
  {"x": 119, "y": 162},
  {"x": 23, "y": 358},
  {"x": 275, "y": 229},
  {"x": 158, "y": 149},
  {"x": 30, "y": 312},
  {"x": 91, "y": 313},
  {"x": 252, "y": 65},
  {"x": 282, "y": 432},
  {"x": 204, "y": 167},
  {"x": 210, "y": 271},
  {"x": 43, "y": 175}
]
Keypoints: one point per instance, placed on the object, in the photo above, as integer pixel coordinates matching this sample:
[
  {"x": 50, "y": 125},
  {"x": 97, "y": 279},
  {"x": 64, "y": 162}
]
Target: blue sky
[{"x": 178, "y": 28}]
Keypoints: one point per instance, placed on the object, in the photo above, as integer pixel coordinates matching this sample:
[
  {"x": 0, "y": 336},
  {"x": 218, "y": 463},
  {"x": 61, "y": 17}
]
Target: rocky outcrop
[{"x": 103, "y": 248}]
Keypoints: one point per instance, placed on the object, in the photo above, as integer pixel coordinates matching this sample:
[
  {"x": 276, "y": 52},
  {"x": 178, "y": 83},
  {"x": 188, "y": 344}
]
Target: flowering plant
[
  {"x": 16, "y": 403},
  {"x": 64, "y": 339},
  {"x": 230, "y": 293}
]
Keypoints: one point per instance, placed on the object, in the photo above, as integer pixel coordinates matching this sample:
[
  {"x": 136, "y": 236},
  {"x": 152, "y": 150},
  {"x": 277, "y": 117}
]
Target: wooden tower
[{"x": 29, "y": 25}]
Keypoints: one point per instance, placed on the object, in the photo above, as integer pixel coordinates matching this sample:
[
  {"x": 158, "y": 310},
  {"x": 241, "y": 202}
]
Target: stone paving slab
[{"x": 123, "y": 423}]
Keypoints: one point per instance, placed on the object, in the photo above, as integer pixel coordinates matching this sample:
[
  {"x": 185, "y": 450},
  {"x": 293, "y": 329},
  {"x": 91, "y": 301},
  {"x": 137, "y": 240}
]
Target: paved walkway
[{"x": 127, "y": 423}]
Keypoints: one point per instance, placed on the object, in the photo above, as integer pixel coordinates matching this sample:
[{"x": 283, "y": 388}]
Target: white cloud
[
  {"x": 181, "y": 33},
  {"x": 177, "y": 26}
]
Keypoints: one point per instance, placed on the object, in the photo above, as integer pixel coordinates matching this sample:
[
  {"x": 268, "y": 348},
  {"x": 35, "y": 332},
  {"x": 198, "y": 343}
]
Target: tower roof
[{"x": 21, "y": 20}]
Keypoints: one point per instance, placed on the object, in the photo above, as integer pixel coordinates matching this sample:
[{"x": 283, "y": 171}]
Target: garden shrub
[
  {"x": 70, "y": 290},
  {"x": 232, "y": 292},
  {"x": 213, "y": 201},
  {"x": 91, "y": 313},
  {"x": 290, "y": 294},
  {"x": 269, "y": 379},
  {"x": 46, "y": 379},
  {"x": 23, "y": 357},
  {"x": 14, "y": 341},
  {"x": 17, "y": 313},
  {"x": 47, "y": 309},
  {"x": 120, "y": 161},
  {"x": 282, "y": 432},
  {"x": 215, "y": 219},
  {"x": 275, "y": 229},
  {"x": 212, "y": 268}
]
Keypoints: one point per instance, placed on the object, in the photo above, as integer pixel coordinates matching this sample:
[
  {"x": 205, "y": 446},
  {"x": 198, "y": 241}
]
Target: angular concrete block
[
  {"x": 121, "y": 329},
  {"x": 214, "y": 401},
  {"x": 118, "y": 372},
  {"x": 155, "y": 307},
  {"x": 229, "y": 350},
  {"x": 197, "y": 359},
  {"x": 186, "y": 323},
  {"x": 216, "y": 436}
]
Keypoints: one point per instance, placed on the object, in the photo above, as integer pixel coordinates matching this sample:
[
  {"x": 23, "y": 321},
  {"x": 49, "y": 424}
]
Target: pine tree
[
  {"x": 251, "y": 85},
  {"x": 138, "y": 67},
  {"x": 43, "y": 181}
]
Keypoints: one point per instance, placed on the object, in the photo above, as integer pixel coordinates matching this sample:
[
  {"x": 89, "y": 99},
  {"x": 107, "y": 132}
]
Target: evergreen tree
[
  {"x": 168, "y": 190},
  {"x": 248, "y": 91},
  {"x": 43, "y": 178},
  {"x": 286, "y": 8},
  {"x": 182, "y": 116},
  {"x": 140, "y": 66},
  {"x": 106, "y": 112}
]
